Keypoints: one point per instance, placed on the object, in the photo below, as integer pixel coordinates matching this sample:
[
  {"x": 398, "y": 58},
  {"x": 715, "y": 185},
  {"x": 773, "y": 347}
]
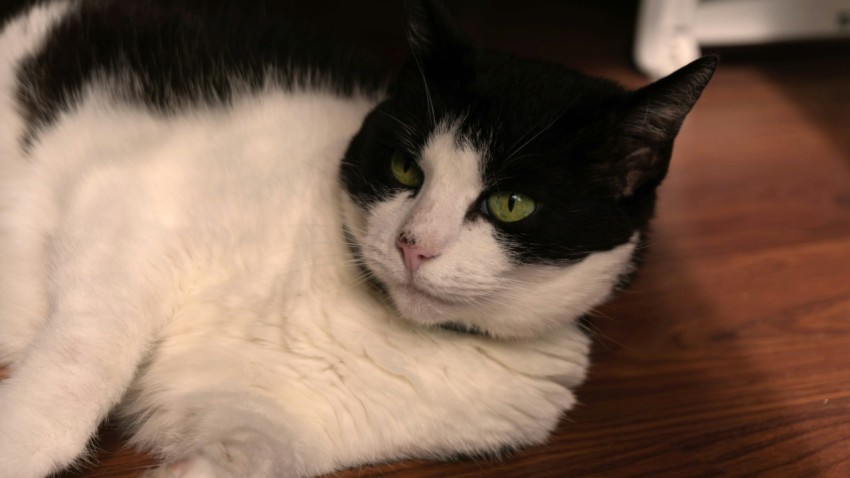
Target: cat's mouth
[
  {"x": 424, "y": 306},
  {"x": 430, "y": 309},
  {"x": 414, "y": 292}
]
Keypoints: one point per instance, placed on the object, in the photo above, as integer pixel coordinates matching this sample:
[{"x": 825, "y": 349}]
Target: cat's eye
[
  {"x": 510, "y": 206},
  {"x": 405, "y": 170}
]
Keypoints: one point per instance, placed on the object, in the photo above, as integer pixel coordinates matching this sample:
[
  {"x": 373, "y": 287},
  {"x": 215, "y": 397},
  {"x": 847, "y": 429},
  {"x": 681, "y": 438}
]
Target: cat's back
[
  {"x": 165, "y": 56},
  {"x": 185, "y": 88},
  {"x": 22, "y": 35}
]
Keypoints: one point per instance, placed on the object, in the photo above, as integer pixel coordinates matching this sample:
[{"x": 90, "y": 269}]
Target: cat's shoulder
[{"x": 166, "y": 54}]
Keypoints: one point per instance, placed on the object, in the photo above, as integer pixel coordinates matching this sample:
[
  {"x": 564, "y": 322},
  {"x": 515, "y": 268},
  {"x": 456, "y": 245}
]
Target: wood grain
[{"x": 730, "y": 355}]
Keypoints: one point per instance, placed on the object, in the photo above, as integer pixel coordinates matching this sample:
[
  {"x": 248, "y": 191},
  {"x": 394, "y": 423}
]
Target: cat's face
[{"x": 504, "y": 194}]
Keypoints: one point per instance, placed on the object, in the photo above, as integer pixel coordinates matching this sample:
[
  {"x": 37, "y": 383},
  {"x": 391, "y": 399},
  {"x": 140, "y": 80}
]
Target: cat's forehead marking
[{"x": 452, "y": 166}]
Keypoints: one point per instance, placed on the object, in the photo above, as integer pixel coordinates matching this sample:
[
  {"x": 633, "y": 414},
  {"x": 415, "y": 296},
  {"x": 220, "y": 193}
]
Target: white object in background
[
  {"x": 670, "y": 32},
  {"x": 664, "y": 36}
]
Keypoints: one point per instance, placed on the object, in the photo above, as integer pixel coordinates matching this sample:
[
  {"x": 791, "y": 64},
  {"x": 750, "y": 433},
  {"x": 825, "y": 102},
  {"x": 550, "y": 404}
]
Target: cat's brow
[
  {"x": 537, "y": 135},
  {"x": 431, "y": 111},
  {"x": 409, "y": 132}
]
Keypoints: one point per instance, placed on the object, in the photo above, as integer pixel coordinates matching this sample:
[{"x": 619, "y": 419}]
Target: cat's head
[{"x": 505, "y": 194}]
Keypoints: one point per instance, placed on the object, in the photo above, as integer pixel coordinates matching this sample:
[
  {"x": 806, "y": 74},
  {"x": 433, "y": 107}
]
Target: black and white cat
[{"x": 232, "y": 238}]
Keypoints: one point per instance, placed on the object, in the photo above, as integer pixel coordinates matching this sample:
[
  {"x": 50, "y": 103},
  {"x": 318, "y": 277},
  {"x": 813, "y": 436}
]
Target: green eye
[
  {"x": 510, "y": 206},
  {"x": 405, "y": 170}
]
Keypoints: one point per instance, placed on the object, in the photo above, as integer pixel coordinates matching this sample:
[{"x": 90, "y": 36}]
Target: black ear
[
  {"x": 642, "y": 140},
  {"x": 431, "y": 34},
  {"x": 658, "y": 110}
]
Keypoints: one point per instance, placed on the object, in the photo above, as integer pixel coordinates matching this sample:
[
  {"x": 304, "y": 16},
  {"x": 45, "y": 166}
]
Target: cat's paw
[
  {"x": 227, "y": 460},
  {"x": 26, "y": 459},
  {"x": 194, "y": 467},
  {"x": 32, "y": 444}
]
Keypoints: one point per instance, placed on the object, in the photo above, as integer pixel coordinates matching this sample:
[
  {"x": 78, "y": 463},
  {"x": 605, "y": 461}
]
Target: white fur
[{"x": 191, "y": 271}]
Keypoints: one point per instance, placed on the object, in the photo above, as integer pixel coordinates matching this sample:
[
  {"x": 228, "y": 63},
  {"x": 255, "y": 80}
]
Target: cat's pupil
[
  {"x": 511, "y": 202},
  {"x": 407, "y": 164}
]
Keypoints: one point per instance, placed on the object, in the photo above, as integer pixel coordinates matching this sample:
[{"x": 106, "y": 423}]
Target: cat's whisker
[
  {"x": 597, "y": 333},
  {"x": 595, "y": 312},
  {"x": 431, "y": 110},
  {"x": 408, "y": 129},
  {"x": 530, "y": 140}
]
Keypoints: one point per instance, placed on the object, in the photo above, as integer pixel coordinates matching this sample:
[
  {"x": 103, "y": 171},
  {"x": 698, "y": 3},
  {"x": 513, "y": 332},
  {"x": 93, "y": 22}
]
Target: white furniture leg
[
  {"x": 669, "y": 33},
  {"x": 665, "y": 38}
]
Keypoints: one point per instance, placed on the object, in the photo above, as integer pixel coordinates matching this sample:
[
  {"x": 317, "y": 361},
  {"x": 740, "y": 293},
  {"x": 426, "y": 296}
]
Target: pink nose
[{"x": 412, "y": 254}]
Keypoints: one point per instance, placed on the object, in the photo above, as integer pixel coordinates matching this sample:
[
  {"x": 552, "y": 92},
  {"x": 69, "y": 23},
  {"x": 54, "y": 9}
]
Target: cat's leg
[
  {"x": 236, "y": 454},
  {"x": 22, "y": 277},
  {"x": 102, "y": 317},
  {"x": 216, "y": 434},
  {"x": 23, "y": 281}
]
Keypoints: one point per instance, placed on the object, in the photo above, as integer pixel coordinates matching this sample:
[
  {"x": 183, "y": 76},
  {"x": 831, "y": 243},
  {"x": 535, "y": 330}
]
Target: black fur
[
  {"x": 590, "y": 152},
  {"x": 180, "y": 53},
  {"x": 10, "y": 9}
]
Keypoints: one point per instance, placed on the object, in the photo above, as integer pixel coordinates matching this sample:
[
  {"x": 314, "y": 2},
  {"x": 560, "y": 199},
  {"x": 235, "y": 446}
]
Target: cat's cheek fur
[
  {"x": 519, "y": 301},
  {"x": 522, "y": 302},
  {"x": 443, "y": 289}
]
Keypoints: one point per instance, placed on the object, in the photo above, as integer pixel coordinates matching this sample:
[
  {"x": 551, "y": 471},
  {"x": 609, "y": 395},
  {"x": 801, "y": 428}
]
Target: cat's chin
[{"x": 422, "y": 307}]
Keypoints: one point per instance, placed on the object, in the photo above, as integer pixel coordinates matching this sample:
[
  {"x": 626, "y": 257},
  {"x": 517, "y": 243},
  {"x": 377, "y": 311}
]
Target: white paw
[
  {"x": 26, "y": 459},
  {"x": 194, "y": 467},
  {"x": 31, "y": 444}
]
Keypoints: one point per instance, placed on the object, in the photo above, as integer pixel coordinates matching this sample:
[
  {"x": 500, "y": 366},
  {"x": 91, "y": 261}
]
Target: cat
[{"x": 267, "y": 262}]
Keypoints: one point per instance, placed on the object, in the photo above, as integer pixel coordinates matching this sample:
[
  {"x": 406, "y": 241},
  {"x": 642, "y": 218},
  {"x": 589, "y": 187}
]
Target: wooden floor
[{"x": 730, "y": 355}]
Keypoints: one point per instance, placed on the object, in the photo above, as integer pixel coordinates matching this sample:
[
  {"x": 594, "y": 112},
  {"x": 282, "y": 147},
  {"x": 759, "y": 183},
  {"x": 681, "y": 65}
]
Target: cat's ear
[
  {"x": 432, "y": 35},
  {"x": 658, "y": 109},
  {"x": 643, "y": 137}
]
